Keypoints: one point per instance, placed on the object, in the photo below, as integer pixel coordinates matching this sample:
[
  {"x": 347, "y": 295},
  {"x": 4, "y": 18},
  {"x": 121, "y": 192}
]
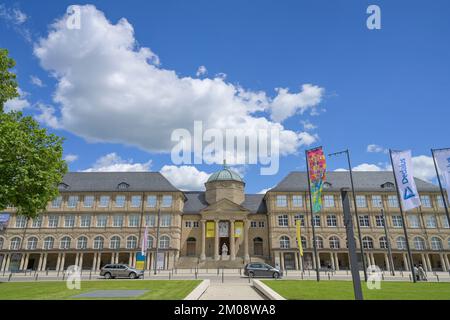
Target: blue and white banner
[
  {"x": 401, "y": 163},
  {"x": 443, "y": 163}
]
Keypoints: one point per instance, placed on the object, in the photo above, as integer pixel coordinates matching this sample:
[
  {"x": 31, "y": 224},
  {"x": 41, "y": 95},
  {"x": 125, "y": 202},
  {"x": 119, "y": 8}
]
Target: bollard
[
  {"x": 36, "y": 277},
  {"x": 222, "y": 275},
  {"x": 437, "y": 277}
]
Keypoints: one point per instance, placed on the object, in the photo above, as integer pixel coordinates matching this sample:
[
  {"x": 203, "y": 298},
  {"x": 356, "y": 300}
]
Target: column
[
  {"x": 58, "y": 262},
  {"x": 318, "y": 260},
  {"x": 63, "y": 260},
  {"x": 444, "y": 265},
  {"x": 296, "y": 260},
  {"x": 41, "y": 259},
  {"x": 113, "y": 257},
  {"x": 130, "y": 259},
  {"x": 44, "y": 263},
  {"x": 76, "y": 259},
  {"x": 427, "y": 258},
  {"x": 99, "y": 261},
  {"x": 405, "y": 262},
  {"x": 372, "y": 257},
  {"x": 332, "y": 260},
  {"x": 147, "y": 262},
  {"x": 25, "y": 263},
  {"x": 446, "y": 261},
  {"x": 94, "y": 262},
  {"x": 386, "y": 262},
  {"x": 232, "y": 243},
  {"x": 216, "y": 239},
  {"x": 203, "y": 244},
  {"x": 22, "y": 260},
  {"x": 8, "y": 262},
  {"x": 336, "y": 261},
  {"x": 5, "y": 257},
  {"x": 246, "y": 229},
  {"x": 424, "y": 262},
  {"x": 282, "y": 260},
  {"x": 300, "y": 260},
  {"x": 80, "y": 261}
]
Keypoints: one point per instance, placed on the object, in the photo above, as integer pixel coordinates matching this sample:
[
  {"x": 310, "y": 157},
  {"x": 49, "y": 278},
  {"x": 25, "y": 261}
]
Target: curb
[
  {"x": 198, "y": 291},
  {"x": 265, "y": 290}
]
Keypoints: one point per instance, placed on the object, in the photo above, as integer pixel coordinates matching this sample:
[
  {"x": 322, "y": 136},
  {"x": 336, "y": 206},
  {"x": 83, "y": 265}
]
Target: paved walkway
[{"x": 231, "y": 291}]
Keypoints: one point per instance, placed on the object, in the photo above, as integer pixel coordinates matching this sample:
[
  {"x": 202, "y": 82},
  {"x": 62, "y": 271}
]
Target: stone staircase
[{"x": 210, "y": 263}]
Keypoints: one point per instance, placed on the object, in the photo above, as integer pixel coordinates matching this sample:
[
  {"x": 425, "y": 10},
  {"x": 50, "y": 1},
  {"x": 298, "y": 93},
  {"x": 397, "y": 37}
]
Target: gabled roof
[{"x": 363, "y": 181}]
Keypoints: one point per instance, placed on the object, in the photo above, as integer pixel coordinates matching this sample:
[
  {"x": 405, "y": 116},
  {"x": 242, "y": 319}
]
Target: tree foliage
[{"x": 8, "y": 83}]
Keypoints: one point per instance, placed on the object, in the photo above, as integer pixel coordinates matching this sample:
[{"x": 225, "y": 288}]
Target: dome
[{"x": 224, "y": 175}]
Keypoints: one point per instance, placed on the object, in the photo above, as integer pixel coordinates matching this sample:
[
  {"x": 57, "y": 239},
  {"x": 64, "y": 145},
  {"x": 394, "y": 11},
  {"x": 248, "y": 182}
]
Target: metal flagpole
[
  {"x": 411, "y": 262},
  {"x": 312, "y": 218},
  {"x": 388, "y": 242},
  {"x": 440, "y": 184},
  {"x": 157, "y": 240}
]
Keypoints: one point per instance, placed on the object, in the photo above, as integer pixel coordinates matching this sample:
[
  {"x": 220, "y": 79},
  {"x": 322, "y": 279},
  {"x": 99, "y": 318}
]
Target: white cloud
[
  {"x": 36, "y": 81},
  {"x": 14, "y": 16},
  {"x": 112, "y": 162},
  {"x": 17, "y": 104},
  {"x": 185, "y": 177},
  {"x": 308, "y": 126},
  {"x": 110, "y": 90},
  {"x": 368, "y": 167},
  {"x": 373, "y": 148},
  {"x": 424, "y": 168},
  {"x": 47, "y": 116},
  {"x": 201, "y": 71},
  {"x": 71, "y": 158}
]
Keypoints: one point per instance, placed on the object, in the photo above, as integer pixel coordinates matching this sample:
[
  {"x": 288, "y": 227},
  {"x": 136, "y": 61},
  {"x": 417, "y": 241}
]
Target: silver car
[
  {"x": 262, "y": 270},
  {"x": 110, "y": 271}
]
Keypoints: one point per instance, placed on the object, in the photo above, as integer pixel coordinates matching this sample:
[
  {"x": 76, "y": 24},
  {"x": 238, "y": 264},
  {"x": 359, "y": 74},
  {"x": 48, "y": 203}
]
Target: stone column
[
  {"x": 58, "y": 262},
  {"x": 41, "y": 259},
  {"x": 147, "y": 262},
  {"x": 332, "y": 261},
  {"x": 8, "y": 262},
  {"x": 296, "y": 260},
  {"x": 25, "y": 262},
  {"x": 246, "y": 230},
  {"x": 216, "y": 239},
  {"x": 282, "y": 260},
  {"x": 94, "y": 262},
  {"x": 63, "y": 260},
  {"x": 447, "y": 261},
  {"x": 405, "y": 262},
  {"x": 22, "y": 260},
  {"x": 76, "y": 258},
  {"x": 336, "y": 262},
  {"x": 130, "y": 259},
  {"x": 232, "y": 241},
  {"x": 443, "y": 264},
  {"x": 80, "y": 261},
  {"x": 424, "y": 262},
  {"x": 113, "y": 257},
  {"x": 44, "y": 263},
  {"x": 203, "y": 244},
  {"x": 300, "y": 261},
  {"x": 386, "y": 262},
  {"x": 427, "y": 258},
  {"x": 5, "y": 257}
]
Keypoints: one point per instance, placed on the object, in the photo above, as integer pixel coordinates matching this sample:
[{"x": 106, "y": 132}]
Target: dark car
[
  {"x": 110, "y": 271},
  {"x": 258, "y": 269}
]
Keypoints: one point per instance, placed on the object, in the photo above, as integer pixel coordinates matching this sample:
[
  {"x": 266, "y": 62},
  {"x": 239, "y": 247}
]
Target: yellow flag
[{"x": 299, "y": 238}]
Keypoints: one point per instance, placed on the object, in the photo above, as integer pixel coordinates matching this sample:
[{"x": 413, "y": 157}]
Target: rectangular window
[
  {"x": 283, "y": 220},
  {"x": 69, "y": 221},
  {"x": 331, "y": 220},
  {"x": 102, "y": 221},
  {"x": 397, "y": 221},
  {"x": 151, "y": 201},
  {"x": 166, "y": 201},
  {"x": 188, "y": 224},
  {"x": 364, "y": 221},
  {"x": 21, "y": 221},
  {"x": 136, "y": 201},
  {"x": 413, "y": 221},
  {"x": 328, "y": 201},
  {"x": 253, "y": 224},
  {"x": 261, "y": 224},
  {"x": 316, "y": 221},
  {"x": 166, "y": 220},
  {"x": 120, "y": 201},
  {"x": 361, "y": 202},
  {"x": 37, "y": 222},
  {"x": 377, "y": 201},
  {"x": 150, "y": 220},
  {"x": 297, "y": 201},
  {"x": 53, "y": 221},
  {"x": 72, "y": 202},
  {"x": 393, "y": 201},
  {"x": 426, "y": 201},
  {"x": 281, "y": 201},
  {"x": 133, "y": 220},
  {"x": 440, "y": 202},
  {"x": 379, "y": 221},
  {"x": 195, "y": 224},
  {"x": 300, "y": 217},
  {"x": 118, "y": 220},
  {"x": 88, "y": 201},
  {"x": 85, "y": 221},
  {"x": 56, "y": 203},
  {"x": 104, "y": 202},
  {"x": 431, "y": 221},
  {"x": 445, "y": 222}
]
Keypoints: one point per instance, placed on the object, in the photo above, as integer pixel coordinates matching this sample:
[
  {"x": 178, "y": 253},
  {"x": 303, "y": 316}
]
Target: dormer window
[
  {"x": 327, "y": 185},
  {"x": 63, "y": 185},
  {"x": 387, "y": 185},
  {"x": 123, "y": 186}
]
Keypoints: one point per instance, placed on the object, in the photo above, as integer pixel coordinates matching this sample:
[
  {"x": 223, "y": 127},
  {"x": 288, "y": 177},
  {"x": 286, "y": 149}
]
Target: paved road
[{"x": 236, "y": 290}]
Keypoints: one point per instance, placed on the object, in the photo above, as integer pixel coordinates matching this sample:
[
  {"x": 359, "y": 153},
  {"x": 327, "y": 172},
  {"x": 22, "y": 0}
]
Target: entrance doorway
[
  {"x": 258, "y": 246},
  {"x": 289, "y": 260},
  {"x": 191, "y": 247}
]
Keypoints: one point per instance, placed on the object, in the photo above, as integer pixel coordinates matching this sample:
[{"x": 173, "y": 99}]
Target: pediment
[{"x": 225, "y": 205}]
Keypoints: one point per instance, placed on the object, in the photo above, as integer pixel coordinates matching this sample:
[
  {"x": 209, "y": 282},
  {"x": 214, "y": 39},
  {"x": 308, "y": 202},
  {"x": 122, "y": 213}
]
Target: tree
[{"x": 8, "y": 83}]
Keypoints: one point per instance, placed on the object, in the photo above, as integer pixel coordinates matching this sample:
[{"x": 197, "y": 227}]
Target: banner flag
[
  {"x": 140, "y": 261},
  {"x": 443, "y": 163},
  {"x": 210, "y": 229},
  {"x": 317, "y": 168},
  {"x": 299, "y": 238},
  {"x": 144, "y": 242},
  {"x": 238, "y": 228},
  {"x": 404, "y": 174}
]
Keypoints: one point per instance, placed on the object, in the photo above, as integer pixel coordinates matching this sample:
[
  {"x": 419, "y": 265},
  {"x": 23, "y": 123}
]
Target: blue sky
[{"x": 388, "y": 87}]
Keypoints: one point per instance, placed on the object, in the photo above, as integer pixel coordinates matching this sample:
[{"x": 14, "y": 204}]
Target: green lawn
[
  {"x": 57, "y": 290},
  {"x": 343, "y": 290}
]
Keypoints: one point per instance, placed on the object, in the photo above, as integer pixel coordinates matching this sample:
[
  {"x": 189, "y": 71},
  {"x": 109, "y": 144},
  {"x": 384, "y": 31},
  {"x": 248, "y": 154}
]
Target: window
[
  {"x": 131, "y": 242},
  {"x": 285, "y": 243},
  {"x": 281, "y": 201},
  {"x": 21, "y": 221},
  {"x": 393, "y": 201},
  {"x": 377, "y": 201},
  {"x": 114, "y": 243},
  {"x": 297, "y": 201},
  {"x": 82, "y": 243},
  {"x": 334, "y": 242},
  {"x": 401, "y": 243},
  {"x": 283, "y": 220},
  {"x": 316, "y": 221},
  {"x": 319, "y": 242},
  {"x": 136, "y": 201},
  {"x": 261, "y": 224},
  {"x": 195, "y": 224},
  {"x": 37, "y": 222},
  {"x": 328, "y": 201},
  {"x": 425, "y": 201},
  {"x": 367, "y": 242},
  {"x": 53, "y": 221},
  {"x": 99, "y": 242},
  {"x": 300, "y": 217},
  {"x": 166, "y": 220},
  {"x": 413, "y": 221},
  {"x": 166, "y": 201},
  {"x": 304, "y": 243},
  {"x": 150, "y": 220},
  {"x": 102, "y": 220},
  {"x": 120, "y": 201},
  {"x": 69, "y": 221},
  {"x": 118, "y": 220},
  {"x": 436, "y": 243},
  {"x": 188, "y": 224},
  {"x": 133, "y": 220},
  {"x": 397, "y": 221},
  {"x": 253, "y": 224},
  {"x": 85, "y": 221},
  {"x": 440, "y": 202},
  {"x": 361, "y": 201},
  {"x": 32, "y": 243},
  {"x": 364, "y": 221},
  {"x": 445, "y": 222},
  {"x": 431, "y": 221},
  {"x": 49, "y": 243},
  {"x": 419, "y": 243},
  {"x": 150, "y": 242},
  {"x": 383, "y": 242},
  {"x": 331, "y": 220},
  {"x": 15, "y": 243},
  {"x": 104, "y": 202},
  {"x": 56, "y": 203},
  {"x": 72, "y": 202},
  {"x": 151, "y": 201},
  {"x": 1, "y": 243},
  {"x": 379, "y": 221},
  {"x": 88, "y": 201},
  {"x": 164, "y": 242},
  {"x": 64, "y": 243}
]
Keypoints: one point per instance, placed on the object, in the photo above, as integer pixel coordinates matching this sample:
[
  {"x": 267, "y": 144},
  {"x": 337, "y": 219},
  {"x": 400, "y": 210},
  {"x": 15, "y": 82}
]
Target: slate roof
[{"x": 363, "y": 181}]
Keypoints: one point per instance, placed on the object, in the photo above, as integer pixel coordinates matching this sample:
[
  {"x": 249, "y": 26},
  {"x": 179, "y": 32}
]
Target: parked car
[
  {"x": 257, "y": 269},
  {"x": 110, "y": 271}
]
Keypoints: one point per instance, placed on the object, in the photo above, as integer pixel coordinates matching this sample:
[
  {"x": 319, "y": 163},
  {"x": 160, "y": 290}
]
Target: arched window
[
  {"x": 150, "y": 242},
  {"x": 367, "y": 242},
  {"x": 131, "y": 242},
  {"x": 319, "y": 242},
  {"x": 164, "y": 242},
  {"x": 436, "y": 243},
  {"x": 65, "y": 242},
  {"x": 99, "y": 242},
  {"x": 401, "y": 243},
  {"x": 15, "y": 243},
  {"x": 82, "y": 242},
  {"x": 32, "y": 243},
  {"x": 383, "y": 242},
  {"x": 115, "y": 242},
  {"x": 49, "y": 242},
  {"x": 334, "y": 242},
  {"x": 419, "y": 243},
  {"x": 285, "y": 242}
]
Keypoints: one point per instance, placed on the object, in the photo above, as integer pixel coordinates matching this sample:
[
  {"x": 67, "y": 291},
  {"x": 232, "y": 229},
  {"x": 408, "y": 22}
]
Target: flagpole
[
  {"x": 440, "y": 184},
  {"x": 312, "y": 218},
  {"x": 157, "y": 240},
  {"x": 411, "y": 262}
]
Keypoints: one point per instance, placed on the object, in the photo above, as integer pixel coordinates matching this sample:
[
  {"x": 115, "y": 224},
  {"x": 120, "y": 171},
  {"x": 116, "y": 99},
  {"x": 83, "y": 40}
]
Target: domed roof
[{"x": 225, "y": 174}]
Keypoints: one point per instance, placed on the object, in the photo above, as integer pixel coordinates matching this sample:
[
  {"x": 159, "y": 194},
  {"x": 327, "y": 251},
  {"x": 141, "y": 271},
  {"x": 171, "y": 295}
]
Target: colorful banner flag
[
  {"x": 443, "y": 163},
  {"x": 238, "y": 229},
  {"x": 210, "y": 229},
  {"x": 140, "y": 261},
  {"x": 299, "y": 238},
  {"x": 404, "y": 174},
  {"x": 317, "y": 169}
]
